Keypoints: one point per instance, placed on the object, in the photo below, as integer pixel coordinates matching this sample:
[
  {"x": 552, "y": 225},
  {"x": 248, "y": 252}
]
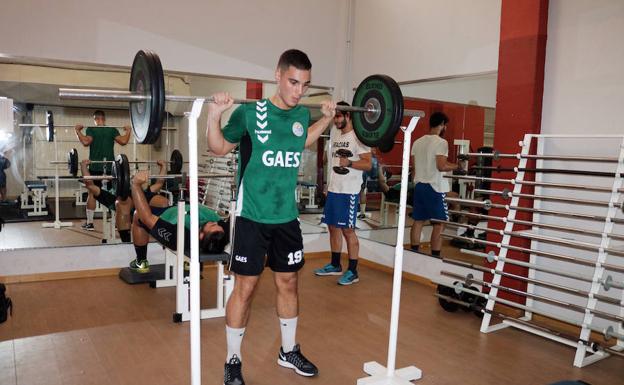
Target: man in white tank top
[
  {"x": 343, "y": 191},
  {"x": 430, "y": 154}
]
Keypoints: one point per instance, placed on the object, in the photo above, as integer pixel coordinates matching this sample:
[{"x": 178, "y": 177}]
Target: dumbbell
[{"x": 343, "y": 153}]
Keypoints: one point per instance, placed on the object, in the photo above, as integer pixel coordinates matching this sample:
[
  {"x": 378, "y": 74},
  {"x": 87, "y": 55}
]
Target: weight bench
[
  {"x": 171, "y": 273},
  {"x": 38, "y": 191},
  {"x": 310, "y": 193}
]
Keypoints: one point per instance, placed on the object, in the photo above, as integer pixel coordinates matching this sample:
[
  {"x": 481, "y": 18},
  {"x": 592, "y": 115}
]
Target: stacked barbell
[{"x": 462, "y": 293}]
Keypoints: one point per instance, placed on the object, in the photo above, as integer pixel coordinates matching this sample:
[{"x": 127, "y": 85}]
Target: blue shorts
[
  {"x": 341, "y": 210},
  {"x": 428, "y": 203}
]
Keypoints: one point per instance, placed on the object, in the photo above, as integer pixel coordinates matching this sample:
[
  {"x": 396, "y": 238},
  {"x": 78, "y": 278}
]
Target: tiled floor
[{"x": 102, "y": 331}]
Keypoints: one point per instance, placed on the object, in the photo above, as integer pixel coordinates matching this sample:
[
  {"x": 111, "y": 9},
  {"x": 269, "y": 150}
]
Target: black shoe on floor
[
  {"x": 233, "y": 374},
  {"x": 295, "y": 360},
  {"x": 88, "y": 227}
]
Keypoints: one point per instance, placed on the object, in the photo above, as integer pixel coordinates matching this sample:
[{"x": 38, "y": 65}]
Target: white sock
[
  {"x": 234, "y": 339},
  {"x": 90, "y": 214},
  {"x": 363, "y": 208},
  {"x": 289, "y": 331}
]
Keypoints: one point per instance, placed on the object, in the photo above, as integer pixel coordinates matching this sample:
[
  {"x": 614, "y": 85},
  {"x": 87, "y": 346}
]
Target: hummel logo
[
  {"x": 164, "y": 234},
  {"x": 261, "y": 115}
]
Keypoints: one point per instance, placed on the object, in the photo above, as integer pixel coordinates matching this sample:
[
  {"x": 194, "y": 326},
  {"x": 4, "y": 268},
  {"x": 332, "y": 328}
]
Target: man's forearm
[
  {"x": 361, "y": 164},
  {"x": 315, "y": 130},
  {"x": 214, "y": 135},
  {"x": 85, "y": 140}
]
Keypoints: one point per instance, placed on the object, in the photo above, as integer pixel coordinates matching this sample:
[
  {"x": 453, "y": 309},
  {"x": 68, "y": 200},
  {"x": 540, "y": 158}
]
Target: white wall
[
  {"x": 583, "y": 94},
  {"x": 225, "y": 37},
  {"x": 584, "y": 81},
  {"x": 412, "y": 40},
  {"x": 474, "y": 90}
]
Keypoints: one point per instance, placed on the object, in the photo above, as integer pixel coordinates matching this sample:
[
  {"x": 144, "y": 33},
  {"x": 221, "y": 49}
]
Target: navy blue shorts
[
  {"x": 428, "y": 203},
  {"x": 341, "y": 210}
]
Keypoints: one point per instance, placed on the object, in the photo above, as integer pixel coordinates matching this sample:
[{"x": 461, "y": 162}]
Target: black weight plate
[
  {"x": 72, "y": 162},
  {"x": 121, "y": 176},
  {"x": 386, "y": 147},
  {"x": 344, "y": 153},
  {"x": 469, "y": 298},
  {"x": 177, "y": 162},
  {"x": 384, "y": 94},
  {"x": 159, "y": 84},
  {"x": 146, "y": 79},
  {"x": 49, "y": 126},
  {"x": 451, "y": 307},
  {"x": 341, "y": 170}
]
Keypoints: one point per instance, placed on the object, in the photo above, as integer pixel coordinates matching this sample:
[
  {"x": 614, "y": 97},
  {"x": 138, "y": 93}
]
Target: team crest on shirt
[{"x": 297, "y": 129}]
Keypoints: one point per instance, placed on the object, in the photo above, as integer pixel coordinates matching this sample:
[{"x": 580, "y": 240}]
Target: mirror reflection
[
  {"x": 59, "y": 212},
  {"x": 468, "y": 104},
  {"x": 31, "y": 162}
]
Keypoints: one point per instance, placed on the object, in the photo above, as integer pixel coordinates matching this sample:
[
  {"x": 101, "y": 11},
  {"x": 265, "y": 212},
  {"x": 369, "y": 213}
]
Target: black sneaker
[
  {"x": 295, "y": 360},
  {"x": 88, "y": 227},
  {"x": 232, "y": 374}
]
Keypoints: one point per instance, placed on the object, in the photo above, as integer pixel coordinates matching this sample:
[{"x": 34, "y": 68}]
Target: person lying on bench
[
  {"x": 122, "y": 207},
  {"x": 156, "y": 218}
]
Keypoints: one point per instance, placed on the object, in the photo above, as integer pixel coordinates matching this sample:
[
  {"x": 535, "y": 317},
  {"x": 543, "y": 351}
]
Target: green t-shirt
[
  {"x": 102, "y": 146},
  {"x": 271, "y": 141},
  {"x": 205, "y": 215}
]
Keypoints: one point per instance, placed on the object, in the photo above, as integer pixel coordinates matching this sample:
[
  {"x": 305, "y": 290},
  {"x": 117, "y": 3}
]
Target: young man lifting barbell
[{"x": 101, "y": 141}]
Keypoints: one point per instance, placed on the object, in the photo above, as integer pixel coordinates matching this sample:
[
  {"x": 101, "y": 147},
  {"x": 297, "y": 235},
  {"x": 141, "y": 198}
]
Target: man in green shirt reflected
[{"x": 101, "y": 141}]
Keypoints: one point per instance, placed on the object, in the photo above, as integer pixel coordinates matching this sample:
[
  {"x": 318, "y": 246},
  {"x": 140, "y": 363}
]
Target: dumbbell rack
[{"x": 584, "y": 354}]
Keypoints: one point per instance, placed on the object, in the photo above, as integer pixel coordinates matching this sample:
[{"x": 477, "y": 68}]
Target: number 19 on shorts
[{"x": 295, "y": 258}]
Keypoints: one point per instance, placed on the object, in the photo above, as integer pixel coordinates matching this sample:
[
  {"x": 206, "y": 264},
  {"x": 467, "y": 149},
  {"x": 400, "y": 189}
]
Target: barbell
[
  {"x": 548, "y": 171},
  {"x": 537, "y": 237},
  {"x": 535, "y": 281},
  {"x": 508, "y": 194},
  {"x": 497, "y": 155},
  {"x": 121, "y": 176},
  {"x": 377, "y": 100},
  {"x": 479, "y": 308},
  {"x": 459, "y": 288},
  {"x": 470, "y": 279},
  {"x": 176, "y": 161}
]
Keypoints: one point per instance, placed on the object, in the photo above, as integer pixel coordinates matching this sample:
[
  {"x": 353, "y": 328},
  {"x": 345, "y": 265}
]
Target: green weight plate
[
  {"x": 121, "y": 176},
  {"x": 177, "y": 161},
  {"x": 49, "y": 126},
  {"x": 378, "y": 129},
  {"x": 72, "y": 162},
  {"x": 146, "y": 78}
]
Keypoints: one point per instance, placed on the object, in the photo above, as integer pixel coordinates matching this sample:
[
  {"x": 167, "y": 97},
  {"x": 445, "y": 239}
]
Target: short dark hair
[
  {"x": 295, "y": 58},
  {"x": 215, "y": 242},
  {"x": 438, "y": 118},
  {"x": 100, "y": 114},
  {"x": 345, "y": 113}
]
